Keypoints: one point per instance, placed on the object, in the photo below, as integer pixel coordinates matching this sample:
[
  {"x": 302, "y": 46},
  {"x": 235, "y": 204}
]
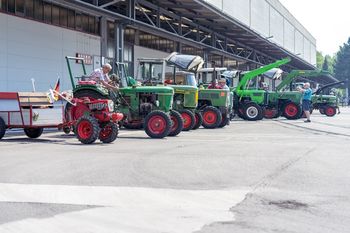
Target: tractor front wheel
[
  {"x": 109, "y": 132},
  {"x": 33, "y": 132},
  {"x": 157, "y": 124},
  {"x": 87, "y": 129},
  {"x": 330, "y": 111},
  {"x": 225, "y": 121},
  {"x": 199, "y": 120},
  {"x": 211, "y": 117},
  {"x": 252, "y": 111},
  {"x": 2, "y": 128},
  {"x": 189, "y": 119},
  {"x": 177, "y": 123},
  {"x": 292, "y": 111}
]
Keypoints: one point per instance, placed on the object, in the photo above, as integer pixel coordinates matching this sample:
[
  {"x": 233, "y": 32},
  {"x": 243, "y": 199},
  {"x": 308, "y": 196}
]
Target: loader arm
[{"x": 254, "y": 73}]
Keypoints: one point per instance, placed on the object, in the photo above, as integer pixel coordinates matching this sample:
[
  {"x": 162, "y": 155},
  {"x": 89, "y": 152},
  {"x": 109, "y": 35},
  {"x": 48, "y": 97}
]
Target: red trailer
[{"x": 34, "y": 111}]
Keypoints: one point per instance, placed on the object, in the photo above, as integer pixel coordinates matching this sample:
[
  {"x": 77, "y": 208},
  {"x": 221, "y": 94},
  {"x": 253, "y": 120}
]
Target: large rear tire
[
  {"x": 292, "y": 111},
  {"x": 108, "y": 133},
  {"x": 188, "y": 118},
  {"x": 177, "y": 123},
  {"x": 33, "y": 132},
  {"x": 87, "y": 129},
  {"x": 211, "y": 117},
  {"x": 157, "y": 124},
  {"x": 252, "y": 111},
  {"x": 2, "y": 128},
  {"x": 225, "y": 121},
  {"x": 198, "y": 119}
]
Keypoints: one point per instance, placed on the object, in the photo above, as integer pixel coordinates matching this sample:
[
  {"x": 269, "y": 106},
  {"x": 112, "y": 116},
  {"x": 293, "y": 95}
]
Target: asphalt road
[{"x": 267, "y": 176}]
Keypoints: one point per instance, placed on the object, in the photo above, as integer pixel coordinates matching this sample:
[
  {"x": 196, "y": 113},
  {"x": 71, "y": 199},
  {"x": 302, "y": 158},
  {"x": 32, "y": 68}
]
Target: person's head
[
  {"x": 306, "y": 85},
  {"x": 106, "y": 68},
  {"x": 222, "y": 82}
]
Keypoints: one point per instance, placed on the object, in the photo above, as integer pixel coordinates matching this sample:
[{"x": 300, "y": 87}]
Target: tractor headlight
[
  {"x": 157, "y": 103},
  {"x": 178, "y": 102},
  {"x": 110, "y": 105}
]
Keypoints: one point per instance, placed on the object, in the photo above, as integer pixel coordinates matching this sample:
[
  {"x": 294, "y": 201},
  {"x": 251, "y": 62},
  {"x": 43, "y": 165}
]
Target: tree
[
  {"x": 342, "y": 62},
  {"x": 320, "y": 59},
  {"x": 325, "y": 65}
]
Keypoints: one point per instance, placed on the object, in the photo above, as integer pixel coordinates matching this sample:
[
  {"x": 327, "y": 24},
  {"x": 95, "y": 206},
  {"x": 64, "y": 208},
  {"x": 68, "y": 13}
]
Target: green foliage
[
  {"x": 320, "y": 59},
  {"x": 342, "y": 63}
]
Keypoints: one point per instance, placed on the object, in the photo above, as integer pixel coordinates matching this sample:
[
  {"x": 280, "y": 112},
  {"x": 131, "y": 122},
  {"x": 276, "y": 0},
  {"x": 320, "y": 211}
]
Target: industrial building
[{"x": 36, "y": 35}]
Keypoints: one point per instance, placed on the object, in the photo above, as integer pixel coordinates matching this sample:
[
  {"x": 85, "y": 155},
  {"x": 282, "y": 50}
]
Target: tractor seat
[{"x": 89, "y": 82}]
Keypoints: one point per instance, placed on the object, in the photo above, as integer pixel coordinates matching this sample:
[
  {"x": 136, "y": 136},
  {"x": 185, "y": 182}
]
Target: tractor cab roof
[
  {"x": 210, "y": 70},
  {"x": 185, "y": 62}
]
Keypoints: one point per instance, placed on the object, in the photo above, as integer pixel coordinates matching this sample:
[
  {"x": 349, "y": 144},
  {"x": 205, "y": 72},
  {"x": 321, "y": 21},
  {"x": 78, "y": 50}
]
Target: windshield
[
  {"x": 149, "y": 72},
  {"x": 208, "y": 77}
]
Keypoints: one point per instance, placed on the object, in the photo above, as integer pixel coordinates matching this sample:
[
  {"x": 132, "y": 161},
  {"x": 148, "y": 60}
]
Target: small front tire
[{"x": 33, "y": 132}]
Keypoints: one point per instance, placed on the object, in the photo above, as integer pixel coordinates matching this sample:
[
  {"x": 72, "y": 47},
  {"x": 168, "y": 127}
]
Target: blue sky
[{"x": 327, "y": 21}]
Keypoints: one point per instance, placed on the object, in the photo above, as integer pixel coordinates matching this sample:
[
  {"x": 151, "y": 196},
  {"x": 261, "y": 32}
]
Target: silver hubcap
[{"x": 252, "y": 112}]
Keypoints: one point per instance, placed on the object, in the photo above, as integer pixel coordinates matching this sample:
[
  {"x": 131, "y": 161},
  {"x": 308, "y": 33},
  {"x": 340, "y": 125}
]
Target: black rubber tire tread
[
  {"x": 33, "y": 132},
  {"x": 193, "y": 119},
  {"x": 200, "y": 120},
  {"x": 225, "y": 121},
  {"x": 180, "y": 121},
  {"x": 260, "y": 114},
  {"x": 297, "y": 116},
  {"x": 2, "y": 128},
  {"x": 113, "y": 136},
  {"x": 168, "y": 122},
  {"x": 66, "y": 130},
  {"x": 218, "y": 115},
  {"x": 95, "y": 129},
  {"x": 322, "y": 110}
]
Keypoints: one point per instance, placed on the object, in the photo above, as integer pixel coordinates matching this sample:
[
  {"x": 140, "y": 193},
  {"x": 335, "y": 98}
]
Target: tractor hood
[
  {"x": 185, "y": 62},
  {"x": 184, "y": 88},
  {"x": 149, "y": 89}
]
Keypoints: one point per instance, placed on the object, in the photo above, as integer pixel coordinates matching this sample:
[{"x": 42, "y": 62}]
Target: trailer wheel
[
  {"x": 33, "y": 132},
  {"x": 211, "y": 117},
  {"x": 252, "y": 111},
  {"x": 109, "y": 132},
  {"x": 2, "y": 128},
  {"x": 198, "y": 120},
  {"x": 87, "y": 129},
  {"x": 189, "y": 119},
  {"x": 330, "y": 111},
  {"x": 177, "y": 123},
  {"x": 292, "y": 111},
  {"x": 157, "y": 124}
]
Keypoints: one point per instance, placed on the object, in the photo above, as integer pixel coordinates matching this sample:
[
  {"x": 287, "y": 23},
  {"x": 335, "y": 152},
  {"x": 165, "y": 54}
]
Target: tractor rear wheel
[
  {"x": 109, "y": 132},
  {"x": 87, "y": 129},
  {"x": 2, "y": 128},
  {"x": 33, "y": 132},
  {"x": 252, "y": 111},
  {"x": 177, "y": 123},
  {"x": 188, "y": 118},
  {"x": 89, "y": 93},
  {"x": 330, "y": 111},
  {"x": 292, "y": 111},
  {"x": 157, "y": 124},
  {"x": 211, "y": 117},
  {"x": 199, "y": 120}
]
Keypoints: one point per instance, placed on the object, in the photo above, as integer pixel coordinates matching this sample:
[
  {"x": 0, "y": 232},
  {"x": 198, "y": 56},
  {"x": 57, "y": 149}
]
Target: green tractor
[
  {"x": 250, "y": 102},
  {"x": 214, "y": 104},
  {"x": 147, "y": 106},
  {"x": 326, "y": 103},
  {"x": 167, "y": 71},
  {"x": 289, "y": 100}
]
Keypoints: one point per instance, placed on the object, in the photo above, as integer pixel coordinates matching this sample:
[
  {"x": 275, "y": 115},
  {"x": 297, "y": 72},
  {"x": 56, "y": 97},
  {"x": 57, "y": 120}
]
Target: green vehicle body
[
  {"x": 135, "y": 102},
  {"x": 250, "y": 103}
]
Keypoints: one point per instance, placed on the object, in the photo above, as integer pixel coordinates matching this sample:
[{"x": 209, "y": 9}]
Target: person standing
[{"x": 307, "y": 95}]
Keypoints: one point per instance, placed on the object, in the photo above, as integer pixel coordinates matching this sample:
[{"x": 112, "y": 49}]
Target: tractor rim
[
  {"x": 291, "y": 110},
  {"x": 157, "y": 124},
  {"x": 187, "y": 120},
  {"x": 252, "y": 112},
  {"x": 85, "y": 129},
  {"x": 175, "y": 123},
  {"x": 269, "y": 113},
  {"x": 106, "y": 132},
  {"x": 210, "y": 117},
  {"x": 330, "y": 111}
]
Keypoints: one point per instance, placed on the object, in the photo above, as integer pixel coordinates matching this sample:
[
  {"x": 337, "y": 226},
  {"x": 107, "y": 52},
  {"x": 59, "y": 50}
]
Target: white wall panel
[
  {"x": 216, "y": 3},
  {"x": 313, "y": 54},
  {"x": 142, "y": 52},
  {"x": 239, "y": 9},
  {"x": 260, "y": 16},
  {"x": 289, "y": 36},
  {"x": 37, "y": 50},
  {"x": 307, "y": 50},
  {"x": 276, "y": 26},
  {"x": 299, "y": 44}
]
